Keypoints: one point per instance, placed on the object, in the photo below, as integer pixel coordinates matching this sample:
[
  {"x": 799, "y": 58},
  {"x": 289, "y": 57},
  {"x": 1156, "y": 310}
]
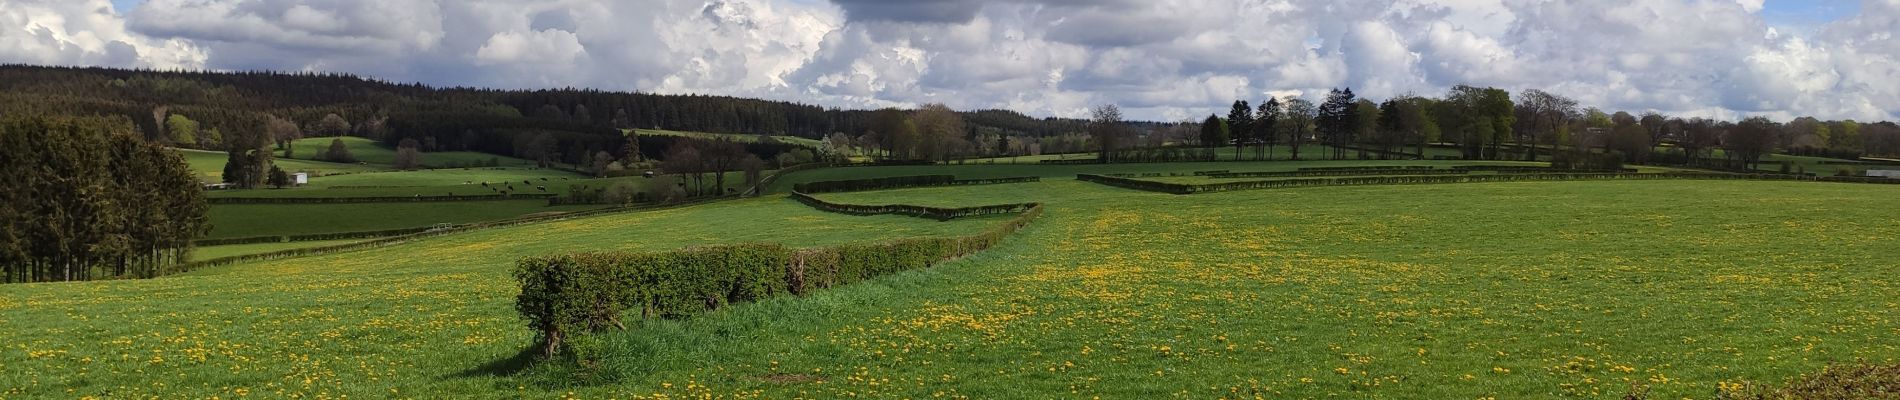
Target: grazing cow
[
  {"x": 544, "y": 179},
  {"x": 542, "y": 188}
]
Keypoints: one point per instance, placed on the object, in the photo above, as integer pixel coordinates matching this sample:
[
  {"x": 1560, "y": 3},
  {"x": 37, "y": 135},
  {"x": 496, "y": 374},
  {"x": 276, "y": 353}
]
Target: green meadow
[{"x": 1482, "y": 290}]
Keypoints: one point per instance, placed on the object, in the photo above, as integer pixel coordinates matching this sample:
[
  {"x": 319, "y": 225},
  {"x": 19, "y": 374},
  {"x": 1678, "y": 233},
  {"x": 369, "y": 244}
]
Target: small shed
[
  {"x": 300, "y": 178},
  {"x": 1884, "y": 173}
]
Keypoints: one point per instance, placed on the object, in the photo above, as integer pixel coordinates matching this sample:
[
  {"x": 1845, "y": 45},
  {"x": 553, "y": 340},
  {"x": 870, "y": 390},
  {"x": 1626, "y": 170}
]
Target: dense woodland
[
  {"x": 84, "y": 200},
  {"x": 203, "y": 109}
]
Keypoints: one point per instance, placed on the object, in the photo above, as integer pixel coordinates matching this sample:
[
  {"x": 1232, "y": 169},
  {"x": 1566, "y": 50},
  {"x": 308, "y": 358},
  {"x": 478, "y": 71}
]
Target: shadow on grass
[{"x": 506, "y": 366}]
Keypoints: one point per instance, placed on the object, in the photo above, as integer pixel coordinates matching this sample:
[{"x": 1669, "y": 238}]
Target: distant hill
[{"x": 503, "y": 122}]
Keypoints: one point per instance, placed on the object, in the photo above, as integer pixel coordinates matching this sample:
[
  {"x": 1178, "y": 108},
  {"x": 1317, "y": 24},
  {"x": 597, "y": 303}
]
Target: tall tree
[
  {"x": 1240, "y": 125},
  {"x": 407, "y": 156},
  {"x": 1265, "y": 127},
  {"x": 1298, "y": 120},
  {"x": 1108, "y": 130},
  {"x": 1213, "y": 134},
  {"x": 1338, "y": 120},
  {"x": 1750, "y": 139}
]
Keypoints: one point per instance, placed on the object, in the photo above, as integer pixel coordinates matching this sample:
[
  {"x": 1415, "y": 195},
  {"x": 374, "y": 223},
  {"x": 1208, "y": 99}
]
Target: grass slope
[
  {"x": 420, "y": 320},
  {"x": 370, "y": 151},
  {"x": 210, "y": 252},
  {"x": 210, "y": 165},
  {"x": 1508, "y": 290},
  {"x": 738, "y": 137},
  {"x": 244, "y": 220}
]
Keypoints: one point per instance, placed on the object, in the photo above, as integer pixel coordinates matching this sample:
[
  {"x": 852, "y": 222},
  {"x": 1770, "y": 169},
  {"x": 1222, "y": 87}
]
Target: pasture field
[
  {"x": 210, "y": 165},
  {"x": 370, "y": 151},
  {"x": 210, "y": 252},
  {"x": 245, "y": 220},
  {"x": 1487, "y": 290},
  {"x": 1047, "y": 172},
  {"x": 737, "y": 137},
  {"x": 430, "y": 319}
]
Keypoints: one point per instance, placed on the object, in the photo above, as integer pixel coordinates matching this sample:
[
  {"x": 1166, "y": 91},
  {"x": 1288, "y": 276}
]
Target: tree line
[
  {"x": 86, "y": 199},
  {"x": 1484, "y": 123}
]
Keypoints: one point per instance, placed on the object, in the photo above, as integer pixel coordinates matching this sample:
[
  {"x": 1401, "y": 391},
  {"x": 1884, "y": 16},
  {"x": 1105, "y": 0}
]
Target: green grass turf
[
  {"x": 419, "y": 320},
  {"x": 372, "y": 152},
  {"x": 210, "y": 165},
  {"x": 982, "y": 171},
  {"x": 1506, "y": 290},
  {"x": 210, "y": 252},
  {"x": 738, "y": 137},
  {"x": 245, "y": 220}
]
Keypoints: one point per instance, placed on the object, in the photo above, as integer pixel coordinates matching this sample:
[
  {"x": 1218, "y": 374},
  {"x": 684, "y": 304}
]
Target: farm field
[
  {"x": 210, "y": 252},
  {"x": 245, "y": 220},
  {"x": 1047, "y": 172},
  {"x": 369, "y": 151},
  {"x": 738, "y": 137},
  {"x": 1504, "y": 290},
  {"x": 210, "y": 165}
]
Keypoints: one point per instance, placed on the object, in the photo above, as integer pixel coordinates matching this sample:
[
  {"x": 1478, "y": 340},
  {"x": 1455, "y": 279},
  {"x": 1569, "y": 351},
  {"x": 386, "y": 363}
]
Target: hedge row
[
  {"x": 1176, "y": 188},
  {"x": 1204, "y": 173},
  {"x": 1367, "y": 167},
  {"x": 1523, "y": 168},
  {"x": 308, "y": 237},
  {"x": 898, "y": 182},
  {"x": 1341, "y": 172},
  {"x": 566, "y": 295},
  {"x": 936, "y": 213},
  {"x": 1076, "y": 161},
  {"x": 384, "y": 199},
  {"x": 425, "y": 233}
]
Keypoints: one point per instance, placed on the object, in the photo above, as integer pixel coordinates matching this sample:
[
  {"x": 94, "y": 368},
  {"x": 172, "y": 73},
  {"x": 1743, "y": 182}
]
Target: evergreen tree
[{"x": 1240, "y": 125}]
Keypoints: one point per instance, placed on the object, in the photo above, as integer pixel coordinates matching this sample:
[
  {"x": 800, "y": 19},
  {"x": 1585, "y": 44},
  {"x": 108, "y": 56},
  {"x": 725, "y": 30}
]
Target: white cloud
[
  {"x": 1159, "y": 59},
  {"x": 84, "y": 32}
]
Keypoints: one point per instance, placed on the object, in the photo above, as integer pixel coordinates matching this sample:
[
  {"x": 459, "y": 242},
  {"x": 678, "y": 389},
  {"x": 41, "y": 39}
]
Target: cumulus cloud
[
  {"x": 1156, "y": 58},
  {"x": 84, "y": 32}
]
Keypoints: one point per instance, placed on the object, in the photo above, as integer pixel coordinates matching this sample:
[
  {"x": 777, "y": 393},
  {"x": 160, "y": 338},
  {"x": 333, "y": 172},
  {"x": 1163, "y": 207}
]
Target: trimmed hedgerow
[
  {"x": 898, "y": 182},
  {"x": 1367, "y": 167},
  {"x": 937, "y": 213},
  {"x": 567, "y": 295},
  {"x": 1339, "y": 172},
  {"x": 1178, "y": 188},
  {"x": 383, "y": 199}
]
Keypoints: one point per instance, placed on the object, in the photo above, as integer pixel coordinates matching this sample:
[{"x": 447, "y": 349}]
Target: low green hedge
[
  {"x": 1177, "y": 188},
  {"x": 1340, "y": 172},
  {"x": 899, "y": 182},
  {"x": 936, "y": 213},
  {"x": 567, "y": 295},
  {"x": 383, "y": 199},
  {"x": 1367, "y": 167}
]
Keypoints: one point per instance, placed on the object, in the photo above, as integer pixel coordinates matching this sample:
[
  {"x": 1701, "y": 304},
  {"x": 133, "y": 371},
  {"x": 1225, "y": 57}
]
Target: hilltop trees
[
  {"x": 86, "y": 200},
  {"x": 282, "y": 131},
  {"x": 339, "y": 152},
  {"x": 1482, "y": 118},
  {"x": 407, "y": 156}
]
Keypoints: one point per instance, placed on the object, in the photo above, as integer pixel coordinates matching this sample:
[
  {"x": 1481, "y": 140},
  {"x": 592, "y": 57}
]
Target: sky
[{"x": 1157, "y": 59}]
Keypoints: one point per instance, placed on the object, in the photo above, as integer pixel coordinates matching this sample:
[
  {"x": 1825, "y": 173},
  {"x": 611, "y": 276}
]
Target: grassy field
[
  {"x": 369, "y": 151},
  {"x": 245, "y": 220},
  {"x": 737, "y": 137},
  {"x": 210, "y": 252},
  {"x": 984, "y": 171},
  {"x": 1495, "y": 290},
  {"x": 210, "y": 165}
]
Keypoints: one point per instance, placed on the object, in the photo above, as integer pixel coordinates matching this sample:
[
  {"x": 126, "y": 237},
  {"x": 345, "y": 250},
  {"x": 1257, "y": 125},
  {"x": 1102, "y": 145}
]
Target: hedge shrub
[
  {"x": 1340, "y": 172},
  {"x": 567, "y": 295},
  {"x": 897, "y": 182},
  {"x": 383, "y": 199},
  {"x": 1177, "y": 188}
]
